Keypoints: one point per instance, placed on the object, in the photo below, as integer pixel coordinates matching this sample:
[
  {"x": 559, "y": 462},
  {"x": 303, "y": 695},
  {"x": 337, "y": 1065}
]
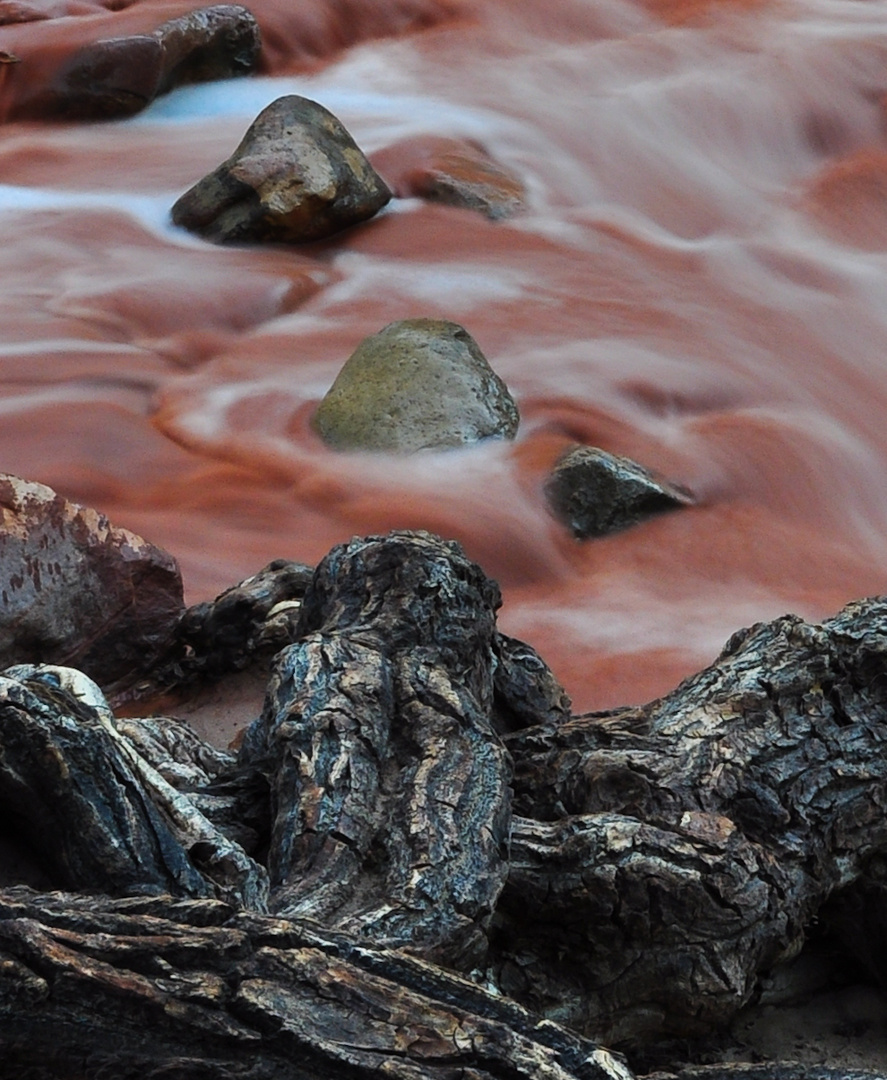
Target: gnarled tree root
[{"x": 415, "y": 797}]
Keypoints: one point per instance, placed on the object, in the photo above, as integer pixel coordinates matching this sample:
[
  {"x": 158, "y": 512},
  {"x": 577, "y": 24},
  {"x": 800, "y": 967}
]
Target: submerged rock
[
  {"x": 456, "y": 172},
  {"x": 296, "y": 176},
  {"x": 117, "y": 77},
  {"x": 111, "y": 78},
  {"x": 596, "y": 493},
  {"x": 77, "y": 591},
  {"x": 418, "y": 384}
]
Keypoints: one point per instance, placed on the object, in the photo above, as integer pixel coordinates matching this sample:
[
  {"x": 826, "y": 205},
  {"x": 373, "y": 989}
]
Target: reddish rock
[
  {"x": 119, "y": 76},
  {"x": 15, "y": 11},
  {"x": 217, "y": 42},
  {"x": 111, "y": 78},
  {"x": 77, "y": 591},
  {"x": 452, "y": 171},
  {"x": 296, "y": 176}
]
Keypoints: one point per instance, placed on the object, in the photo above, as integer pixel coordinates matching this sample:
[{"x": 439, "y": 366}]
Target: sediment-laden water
[{"x": 699, "y": 282}]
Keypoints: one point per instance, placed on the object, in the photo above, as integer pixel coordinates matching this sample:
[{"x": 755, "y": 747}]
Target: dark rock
[
  {"x": 456, "y": 172},
  {"x": 296, "y": 176},
  {"x": 417, "y": 384},
  {"x": 211, "y": 43},
  {"x": 118, "y": 77},
  {"x": 596, "y": 493},
  {"x": 77, "y": 591}
]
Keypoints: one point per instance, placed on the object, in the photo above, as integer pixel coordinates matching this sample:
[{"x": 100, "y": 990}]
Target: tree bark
[
  {"x": 666, "y": 856},
  {"x": 466, "y": 881},
  {"x": 155, "y": 987}
]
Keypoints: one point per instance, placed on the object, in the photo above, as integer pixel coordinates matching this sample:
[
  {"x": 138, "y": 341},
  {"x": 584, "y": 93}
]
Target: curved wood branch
[{"x": 681, "y": 849}]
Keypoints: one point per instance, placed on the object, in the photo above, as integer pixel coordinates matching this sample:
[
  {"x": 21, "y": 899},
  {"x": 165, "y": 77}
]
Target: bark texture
[
  {"x": 674, "y": 852},
  {"x": 193, "y": 989},
  {"x": 464, "y": 880},
  {"x": 390, "y": 789}
]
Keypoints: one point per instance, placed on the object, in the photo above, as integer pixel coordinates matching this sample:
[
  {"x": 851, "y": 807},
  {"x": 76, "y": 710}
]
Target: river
[{"x": 699, "y": 281}]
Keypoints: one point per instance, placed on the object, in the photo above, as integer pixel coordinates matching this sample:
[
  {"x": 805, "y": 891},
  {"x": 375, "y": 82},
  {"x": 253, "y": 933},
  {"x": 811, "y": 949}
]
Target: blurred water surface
[{"x": 699, "y": 282}]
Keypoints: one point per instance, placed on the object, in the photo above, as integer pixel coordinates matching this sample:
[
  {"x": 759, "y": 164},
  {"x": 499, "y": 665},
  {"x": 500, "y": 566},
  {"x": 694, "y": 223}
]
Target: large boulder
[
  {"x": 296, "y": 176},
  {"x": 119, "y": 76},
  {"x": 418, "y": 384},
  {"x": 77, "y": 591},
  {"x": 596, "y": 493}
]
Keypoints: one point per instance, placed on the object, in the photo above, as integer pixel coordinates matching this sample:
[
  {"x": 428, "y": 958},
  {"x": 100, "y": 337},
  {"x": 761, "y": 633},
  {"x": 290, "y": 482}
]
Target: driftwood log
[{"x": 419, "y": 864}]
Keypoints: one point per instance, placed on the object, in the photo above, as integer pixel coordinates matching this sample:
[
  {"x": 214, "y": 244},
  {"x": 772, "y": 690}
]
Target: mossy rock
[{"x": 419, "y": 384}]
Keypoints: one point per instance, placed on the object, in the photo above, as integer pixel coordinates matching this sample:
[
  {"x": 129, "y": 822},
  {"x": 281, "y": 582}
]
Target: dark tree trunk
[{"x": 453, "y": 862}]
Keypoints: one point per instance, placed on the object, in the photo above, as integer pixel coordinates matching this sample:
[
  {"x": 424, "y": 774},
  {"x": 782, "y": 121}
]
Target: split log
[{"x": 420, "y": 799}]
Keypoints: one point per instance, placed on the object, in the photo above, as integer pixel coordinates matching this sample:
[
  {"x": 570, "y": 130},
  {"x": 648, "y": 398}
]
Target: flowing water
[{"x": 699, "y": 282}]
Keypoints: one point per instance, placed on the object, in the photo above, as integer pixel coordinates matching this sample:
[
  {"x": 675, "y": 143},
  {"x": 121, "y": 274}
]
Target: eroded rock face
[
  {"x": 596, "y": 493},
  {"x": 75, "y": 590},
  {"x": 418, "y": 384},
  {"x": 117, "y": 77},
  {"x": 296, "y": 176},
  {"x": 456, "y": 172}
]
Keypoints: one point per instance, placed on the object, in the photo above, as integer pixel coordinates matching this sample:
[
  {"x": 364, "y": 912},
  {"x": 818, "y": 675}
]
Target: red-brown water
[{"x": 700, "y": 282}]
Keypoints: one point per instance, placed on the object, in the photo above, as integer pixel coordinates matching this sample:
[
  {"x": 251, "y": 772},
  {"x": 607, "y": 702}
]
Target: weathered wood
[
  {"x": 772, "y": 1071},
  {"x": 154, "y": 987},
  {"x": 95, "y": 810},
  {"x": 420, "y": 796},
  {"x": 243, "y": 625},
  {"x": 390, "y": 787},
  {"x": 681, "y": 849}
]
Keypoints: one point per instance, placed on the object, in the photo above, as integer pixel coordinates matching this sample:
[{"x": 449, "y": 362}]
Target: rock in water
[
  {"x": 456, "y": 172},
  {"x": 117, "y": 77},
  {"x": 418, "y": 384},
  {"x": 77, "y": 591},
  {"x": 296, "y": 176},
  {"x": 597, "y": 493},
  {"x": 111, "y": 78},
  {"x": 218, "y": 42}
]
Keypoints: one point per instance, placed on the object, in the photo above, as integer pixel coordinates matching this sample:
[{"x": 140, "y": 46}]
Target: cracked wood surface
[
  {"x": 665, "y": 856},
  {"x": 156, "y": 986},
  {"x": 416, "y": 802}
]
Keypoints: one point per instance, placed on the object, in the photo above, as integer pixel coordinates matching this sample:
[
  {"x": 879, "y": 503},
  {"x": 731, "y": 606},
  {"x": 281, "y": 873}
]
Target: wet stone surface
[
  {"x": 596, "y": 493},
  {"x": 418, "y": 384},
  {"x": 296, "y": 176},
  {"x": 118, "y": 76}
]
